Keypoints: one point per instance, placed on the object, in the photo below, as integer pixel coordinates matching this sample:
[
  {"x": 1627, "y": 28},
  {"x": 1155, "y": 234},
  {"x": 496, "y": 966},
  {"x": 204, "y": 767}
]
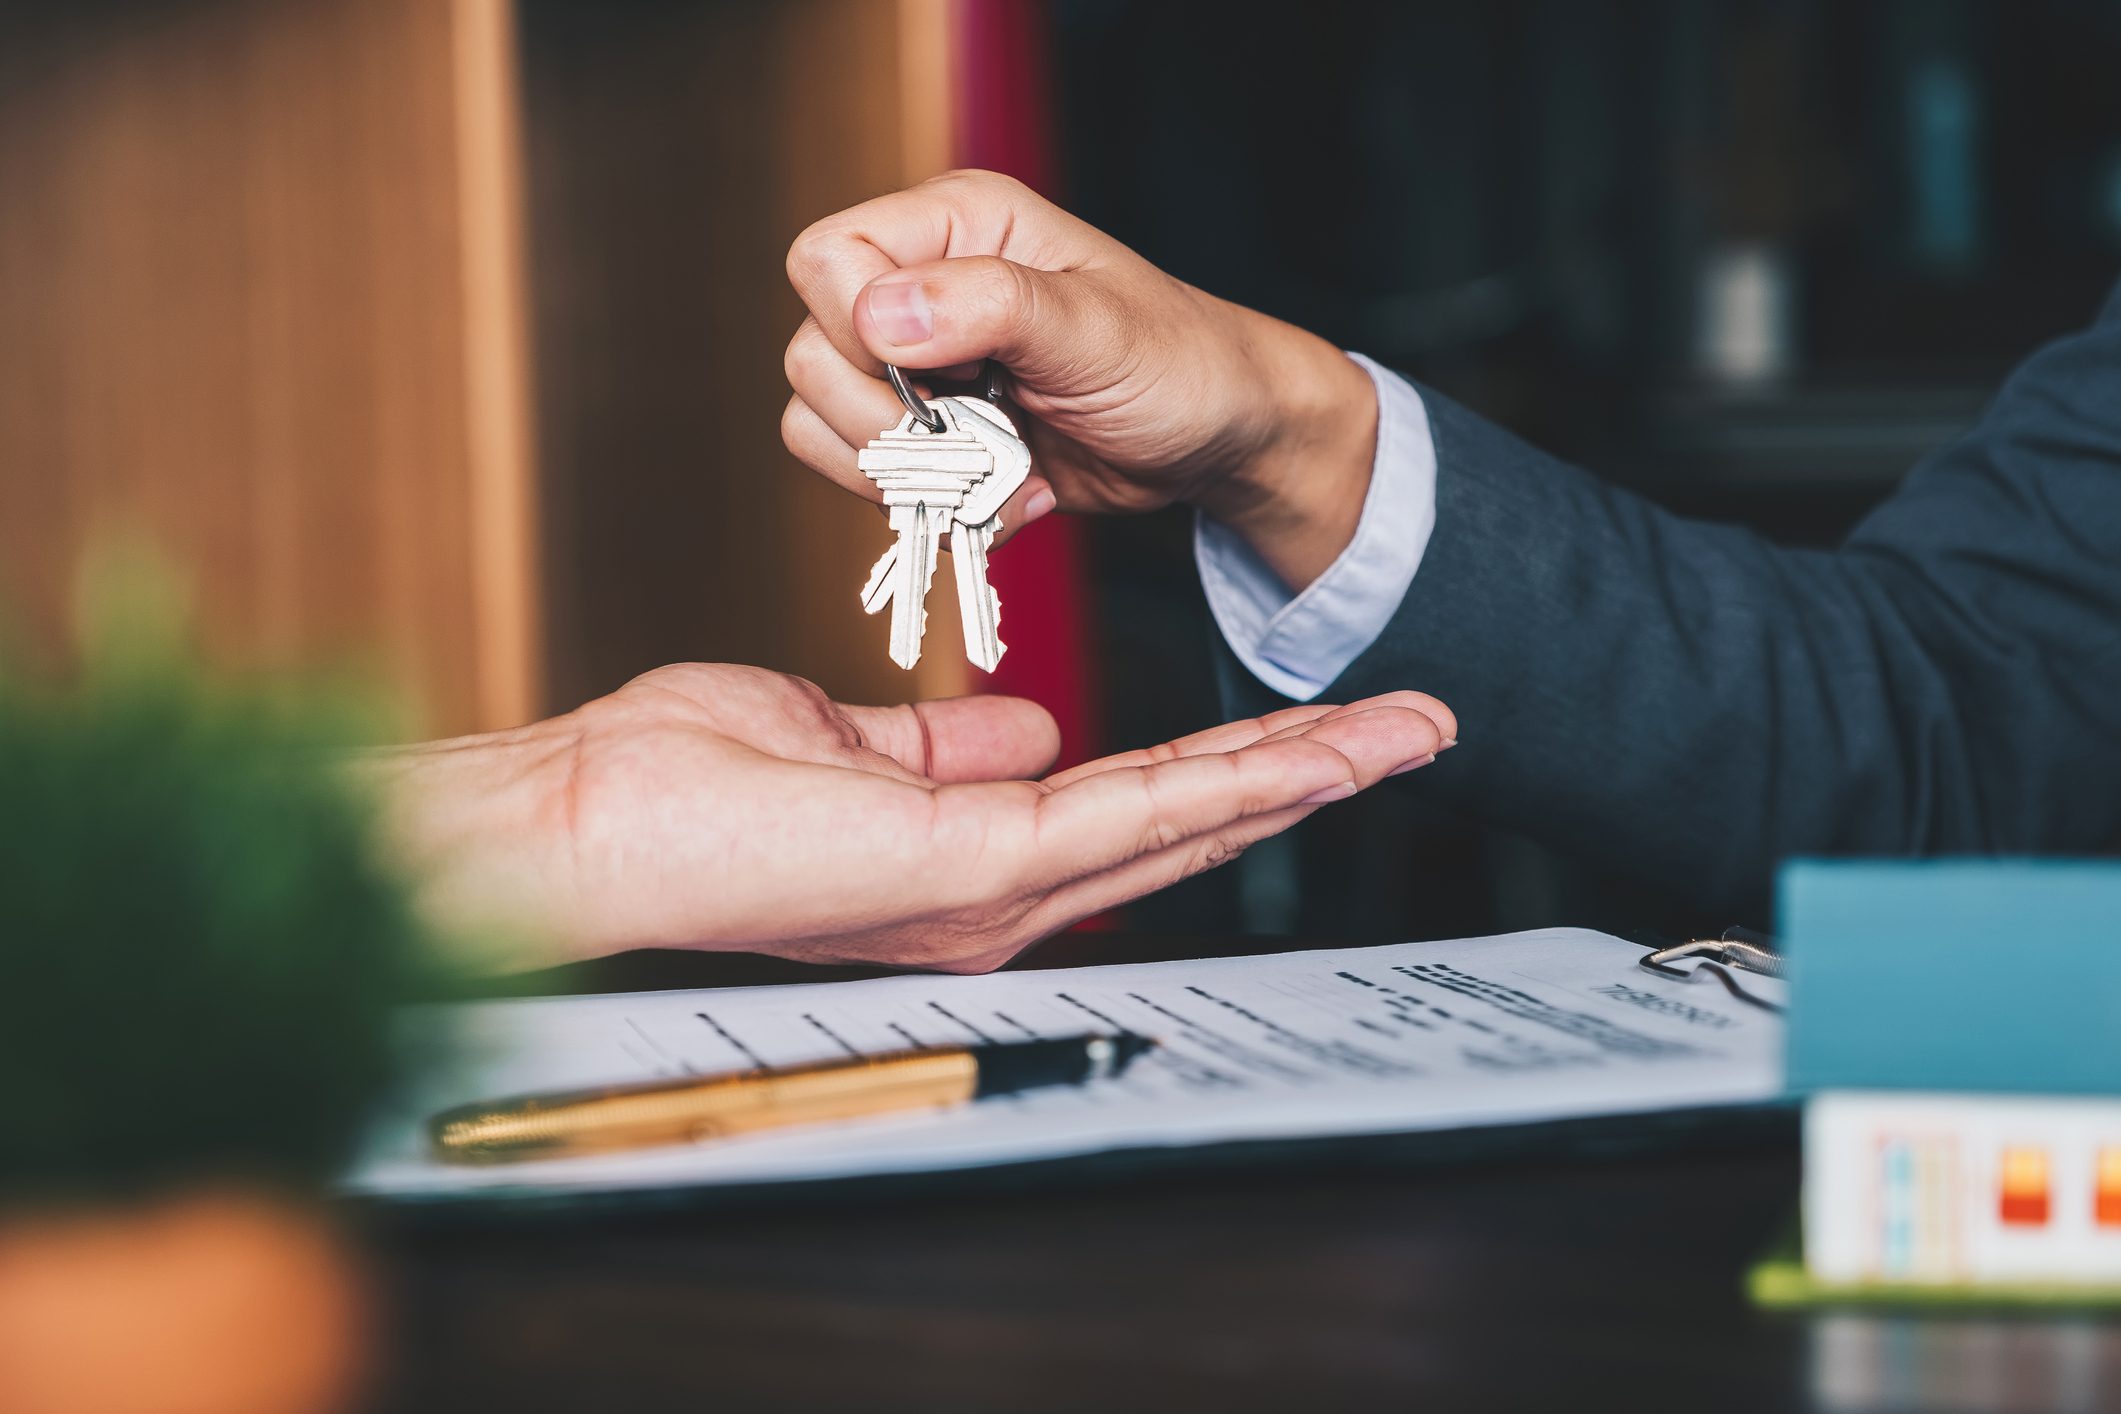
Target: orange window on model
[
  {"x": 2023, "y": 1187},
  {"x": 2106, "y": 1190}
]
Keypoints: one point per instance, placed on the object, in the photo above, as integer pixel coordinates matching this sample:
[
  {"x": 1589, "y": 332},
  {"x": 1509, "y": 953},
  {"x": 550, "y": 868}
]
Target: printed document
[{"x": 1406, "y": 1038}]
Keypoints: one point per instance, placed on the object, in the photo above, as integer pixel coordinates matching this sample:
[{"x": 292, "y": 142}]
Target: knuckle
[
  {"x": 1005, "y": 291},
  {"x": 805, "y": 355},
  {"x": 803, "y": 690},
  {"x": 807, "y": 440},
  {"x": 1161, "y": 831},
  {"x": 806, "y": 254},
  {"x": 979, "y": 179},
  {"x": 903, "y": 736}
]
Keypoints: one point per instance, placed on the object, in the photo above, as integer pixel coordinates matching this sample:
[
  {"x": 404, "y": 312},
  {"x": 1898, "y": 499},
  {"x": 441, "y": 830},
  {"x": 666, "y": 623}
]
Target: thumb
[
  {"x": 1049, "y": 327},
  {"x": 962, "y": 738}
]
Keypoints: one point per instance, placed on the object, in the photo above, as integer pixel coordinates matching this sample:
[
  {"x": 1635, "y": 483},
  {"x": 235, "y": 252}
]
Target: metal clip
[
  {"x": 1738, "y": 947},
  {"x": 1736, "y": 952}
]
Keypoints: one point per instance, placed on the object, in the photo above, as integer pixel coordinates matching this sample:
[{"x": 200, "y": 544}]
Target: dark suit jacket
[{"x": 1690, "y": 703}]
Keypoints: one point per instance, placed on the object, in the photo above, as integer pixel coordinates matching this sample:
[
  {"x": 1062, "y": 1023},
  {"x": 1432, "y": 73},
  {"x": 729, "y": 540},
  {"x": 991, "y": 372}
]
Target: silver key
[
  {"x": 978, "y": 520},
  {"x": 920, "y": 531},
  {"x": 1012, "y": 459},
  {"x": 925, "y": 476},
  {"x": 956, "y": 479},
  {"x": 977, "y": 603}
]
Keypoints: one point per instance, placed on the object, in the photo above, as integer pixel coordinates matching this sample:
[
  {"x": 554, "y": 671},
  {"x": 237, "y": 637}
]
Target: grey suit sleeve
[{"x": 1690, "y": 703}]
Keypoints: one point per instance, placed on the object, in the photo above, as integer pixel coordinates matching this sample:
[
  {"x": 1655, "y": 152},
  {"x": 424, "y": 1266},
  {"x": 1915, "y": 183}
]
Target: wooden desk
[{"x": 1363, "y": 1284}]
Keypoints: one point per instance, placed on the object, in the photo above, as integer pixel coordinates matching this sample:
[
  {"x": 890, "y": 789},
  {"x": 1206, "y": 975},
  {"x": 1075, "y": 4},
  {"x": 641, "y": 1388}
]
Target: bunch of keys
[{"x": 949, "y": 466}]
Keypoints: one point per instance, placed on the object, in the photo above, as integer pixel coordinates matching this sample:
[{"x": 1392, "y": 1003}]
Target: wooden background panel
[
  {"x": 234, "y": 314},
  {"x": 675, "y": 151}
]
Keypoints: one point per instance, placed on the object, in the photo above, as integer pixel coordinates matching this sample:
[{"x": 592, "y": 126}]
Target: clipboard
[{"x": 1583, "y": 1016}]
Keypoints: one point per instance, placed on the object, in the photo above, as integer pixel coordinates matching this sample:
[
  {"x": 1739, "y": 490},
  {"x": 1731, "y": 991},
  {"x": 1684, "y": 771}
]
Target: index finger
[
  {"x": 1227, "y": 737},
  {"x": 1103, "y": 821},
  {"x": 955, "y": 214},
  {"x": 1284, "y": 721}
]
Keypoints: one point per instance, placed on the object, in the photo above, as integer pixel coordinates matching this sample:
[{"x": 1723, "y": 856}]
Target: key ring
[
  {"x": 990, "y": 382},
  {"x": 926, "y": 416}
]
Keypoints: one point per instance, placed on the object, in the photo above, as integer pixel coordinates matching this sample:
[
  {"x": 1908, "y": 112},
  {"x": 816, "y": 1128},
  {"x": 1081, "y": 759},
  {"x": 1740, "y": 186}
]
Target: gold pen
[{"x": 715, "y": 1106}]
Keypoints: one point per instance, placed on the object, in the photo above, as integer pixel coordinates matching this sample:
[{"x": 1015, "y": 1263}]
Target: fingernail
[
  {"x": 1339, "y": 792},
  {"x": 901, "y": 312},
  {"x": 1448, "y": 743},
  {"x": 1411, "y": 765},
  {"x": 1041, "y": 503}
]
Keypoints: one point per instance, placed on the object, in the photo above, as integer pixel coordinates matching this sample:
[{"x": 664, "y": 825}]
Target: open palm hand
[{"x": 719, "y": 806}]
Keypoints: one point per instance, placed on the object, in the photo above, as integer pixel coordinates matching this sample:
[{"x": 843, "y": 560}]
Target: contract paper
[{"x": 1406, "y": 1038}]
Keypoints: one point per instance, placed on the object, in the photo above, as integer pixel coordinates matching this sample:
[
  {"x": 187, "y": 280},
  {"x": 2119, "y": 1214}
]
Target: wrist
[
  {"x": 1297, "y": 499},
  {"x": 480, "y": 826}
]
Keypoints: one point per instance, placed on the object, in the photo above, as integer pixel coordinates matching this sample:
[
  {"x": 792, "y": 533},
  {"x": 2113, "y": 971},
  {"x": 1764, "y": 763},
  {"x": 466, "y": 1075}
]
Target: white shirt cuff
[{"x": 1298, "y": 644}]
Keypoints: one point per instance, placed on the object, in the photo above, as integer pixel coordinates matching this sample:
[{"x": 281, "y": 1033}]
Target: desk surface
[{"x": 1359, "y": 1284}]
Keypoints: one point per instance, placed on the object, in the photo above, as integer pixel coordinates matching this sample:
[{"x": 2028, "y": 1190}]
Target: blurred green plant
[{"x": 199, "y": 937}]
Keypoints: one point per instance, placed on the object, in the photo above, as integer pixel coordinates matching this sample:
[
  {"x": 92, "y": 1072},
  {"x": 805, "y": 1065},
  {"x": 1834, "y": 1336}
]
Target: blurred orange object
[
  {"x": 2106, "y": 1200},
  {"x": 2023, "y": 1201},
  {"x": 215, "y": 1303}
]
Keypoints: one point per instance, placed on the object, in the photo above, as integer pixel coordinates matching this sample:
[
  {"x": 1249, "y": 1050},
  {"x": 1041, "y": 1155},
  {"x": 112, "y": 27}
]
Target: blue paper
[{"x": 1988, "y": 975}]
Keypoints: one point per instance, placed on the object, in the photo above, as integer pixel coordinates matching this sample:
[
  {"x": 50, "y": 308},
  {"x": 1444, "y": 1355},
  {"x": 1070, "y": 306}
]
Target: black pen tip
[
  {"x": 1127, "y": 1048},
  {"x": 1015, "y": 1066}
]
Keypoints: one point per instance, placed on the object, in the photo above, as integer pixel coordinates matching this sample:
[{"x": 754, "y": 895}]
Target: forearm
[{"x": 1689, "y": 702}]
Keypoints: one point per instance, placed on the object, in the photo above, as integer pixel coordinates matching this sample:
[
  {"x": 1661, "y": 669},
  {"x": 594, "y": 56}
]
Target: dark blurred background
[
  {"x": 1751, "y": 258},
  {"x": 448, "y": 332}
]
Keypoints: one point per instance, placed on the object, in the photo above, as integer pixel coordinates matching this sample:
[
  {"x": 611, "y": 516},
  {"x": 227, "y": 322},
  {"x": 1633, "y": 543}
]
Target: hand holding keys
[{"x": 948, "y": 465}]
